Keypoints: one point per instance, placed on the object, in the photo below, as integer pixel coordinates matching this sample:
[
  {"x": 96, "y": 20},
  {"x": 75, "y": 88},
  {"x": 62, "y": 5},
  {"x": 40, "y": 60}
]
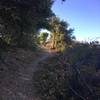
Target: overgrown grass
[
  {"x": 50, "y": 83},
  {"x": 70, "y": 75}
]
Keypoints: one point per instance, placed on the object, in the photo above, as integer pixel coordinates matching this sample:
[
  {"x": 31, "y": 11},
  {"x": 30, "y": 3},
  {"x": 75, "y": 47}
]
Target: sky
[{"x": 82, "y": 15}]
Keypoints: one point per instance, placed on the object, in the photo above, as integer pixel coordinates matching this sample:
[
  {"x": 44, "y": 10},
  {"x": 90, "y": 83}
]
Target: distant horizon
[{"x": 83, "y": 16}]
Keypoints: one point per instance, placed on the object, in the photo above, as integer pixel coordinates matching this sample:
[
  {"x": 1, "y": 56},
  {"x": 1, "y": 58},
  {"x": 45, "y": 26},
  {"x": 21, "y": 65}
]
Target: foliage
[
  {"x": 42, "y": 38},
  {"x": 61, "y": 35},
  {"x": 19, "y": 19},
  {"x": 79, "y": 52},
  {"x": 51, "y": 81},
  {"x": 71, "y": 75}
]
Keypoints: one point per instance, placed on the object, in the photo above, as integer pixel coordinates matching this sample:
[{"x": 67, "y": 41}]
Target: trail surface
[{"x": 19, "y": 85}]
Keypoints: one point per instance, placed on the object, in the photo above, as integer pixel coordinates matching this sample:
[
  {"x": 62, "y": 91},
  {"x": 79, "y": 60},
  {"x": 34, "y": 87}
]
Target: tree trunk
[{"x": 53, "y": 42}]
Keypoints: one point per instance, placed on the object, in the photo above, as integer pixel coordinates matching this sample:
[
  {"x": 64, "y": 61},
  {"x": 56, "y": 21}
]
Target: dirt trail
[{"x": 20, "y": 86}]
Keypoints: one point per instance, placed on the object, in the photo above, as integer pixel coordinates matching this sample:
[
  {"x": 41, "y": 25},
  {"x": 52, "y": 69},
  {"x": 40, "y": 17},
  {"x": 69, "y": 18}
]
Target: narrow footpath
[{"x": 19, "y": 86}]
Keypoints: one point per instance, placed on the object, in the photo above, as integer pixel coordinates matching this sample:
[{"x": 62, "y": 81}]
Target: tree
[
  {"x": 54, "y": 25},
  {"x": 20, "y": 18},
  {"x": 42, "y": 38},
  {"x": 61, "y": 35}
]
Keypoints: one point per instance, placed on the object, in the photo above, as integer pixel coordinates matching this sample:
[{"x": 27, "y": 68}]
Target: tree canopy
[
  {"x": 18, "y": 18},
  {"x": 61, "y": 33}
]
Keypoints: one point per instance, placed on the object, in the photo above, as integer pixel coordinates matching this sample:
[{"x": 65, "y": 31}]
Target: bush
[
  {"x": 79, "y": 52},
  {"x": 51, "y": 81},
  {"x": 69, "y": 76}
]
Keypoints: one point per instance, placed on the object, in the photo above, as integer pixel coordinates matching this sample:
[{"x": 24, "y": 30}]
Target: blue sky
[{"x": 82, "y": 15}]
